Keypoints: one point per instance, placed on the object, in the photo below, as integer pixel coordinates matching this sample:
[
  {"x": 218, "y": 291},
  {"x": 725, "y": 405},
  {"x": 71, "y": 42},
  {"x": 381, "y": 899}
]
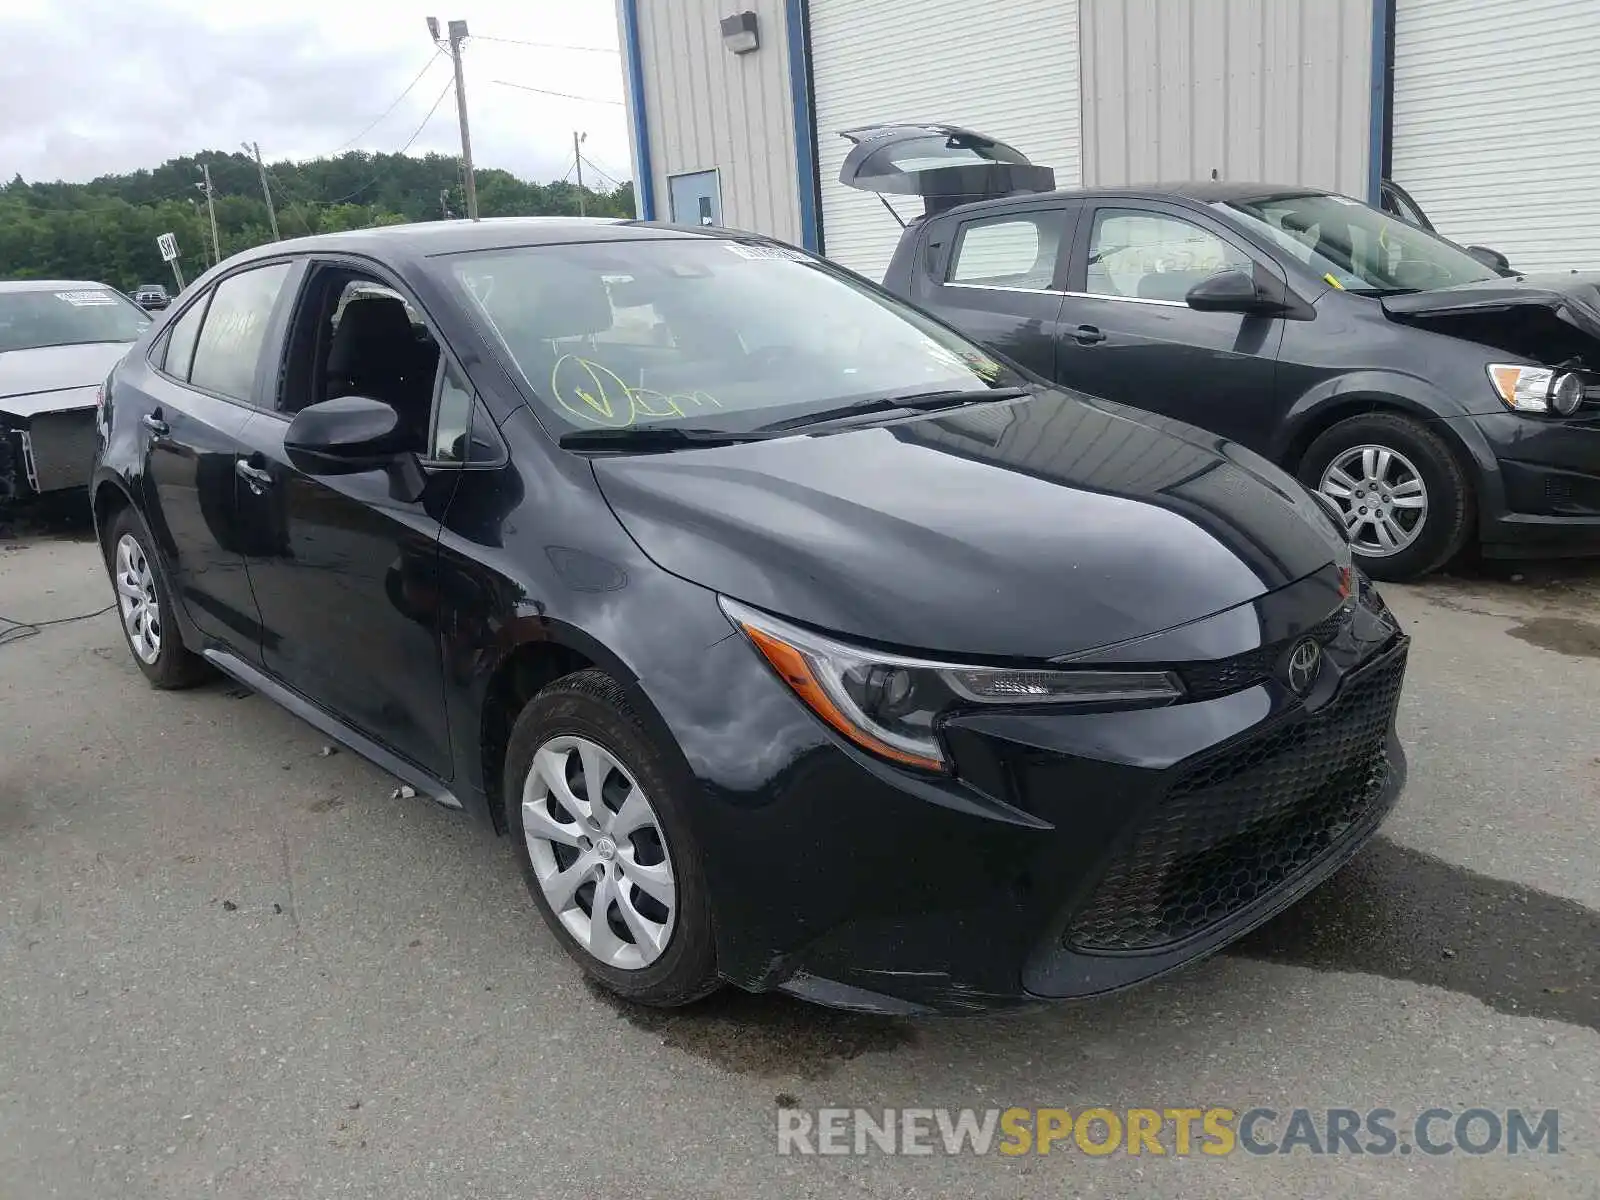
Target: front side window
[
  {"x": 710, "y": 332},
  {"x": 1017, "y": 251},
  {"x": 68, "y": 316},
  {"x": 452, "y": 419},
  {"x": 1152, "y": 256},
  {"x": 230, "y": 341},
  {"x": 1356, "y": 247},
  {"x": 181, "y": 339}
]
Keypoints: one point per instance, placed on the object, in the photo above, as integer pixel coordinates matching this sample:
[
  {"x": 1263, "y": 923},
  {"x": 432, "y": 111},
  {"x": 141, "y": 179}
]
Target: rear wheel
[
  {"x": 605, "y": 843},
  {"x": 144, "y": 605},
  {"x": 1405, "y": 500}
]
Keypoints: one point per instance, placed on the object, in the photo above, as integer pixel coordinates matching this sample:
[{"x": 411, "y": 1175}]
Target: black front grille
[
  {"x": 1206, "y": 680},
  {"x": 1237, "y": 825}
]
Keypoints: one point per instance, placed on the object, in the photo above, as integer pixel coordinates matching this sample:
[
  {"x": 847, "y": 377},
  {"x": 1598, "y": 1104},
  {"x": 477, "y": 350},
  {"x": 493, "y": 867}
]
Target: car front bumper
[
  {"x": 1546, "y": 498},
  {"x": 1071, "y": 854},
  {"x": 45, "y": 451}
]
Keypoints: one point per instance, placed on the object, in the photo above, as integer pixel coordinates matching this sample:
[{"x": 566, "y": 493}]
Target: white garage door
[
  {"x": 1497, "y": 124},
  {"x": 1007, "y": 69}
]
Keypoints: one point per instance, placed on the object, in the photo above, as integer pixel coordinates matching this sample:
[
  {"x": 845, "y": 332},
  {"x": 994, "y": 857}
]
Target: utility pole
[
  {"x": 457, "y": 34},
  {"x": 211, "y": 208},
  {"x": 272, "y": 216},
  {"x": 577, "y": 159},
  {"x": 195, "y": 204}
]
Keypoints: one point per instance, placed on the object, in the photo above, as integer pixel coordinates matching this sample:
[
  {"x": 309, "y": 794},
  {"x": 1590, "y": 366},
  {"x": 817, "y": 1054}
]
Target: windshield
[
  {"x": 1356, "y": 247},
  {"x": 69, "y": 317},
  {"x": 711, "y": 333}
]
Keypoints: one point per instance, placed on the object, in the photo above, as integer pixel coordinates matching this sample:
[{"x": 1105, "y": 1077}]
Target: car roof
[
  {"x": 1199, "y": 191},
  {"x": 48, "y": 285},
  {"x": 426, "y": 238}
]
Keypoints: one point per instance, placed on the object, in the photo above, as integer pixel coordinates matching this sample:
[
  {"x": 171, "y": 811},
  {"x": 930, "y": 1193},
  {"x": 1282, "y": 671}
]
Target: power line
[
  {"x": 445, "y": 91},
  {"x": 600, "y": 171},
  {"x": 522, "y": 87},
  {"x": 483, "y": 37},
  {"x": 379, "y": 119}
]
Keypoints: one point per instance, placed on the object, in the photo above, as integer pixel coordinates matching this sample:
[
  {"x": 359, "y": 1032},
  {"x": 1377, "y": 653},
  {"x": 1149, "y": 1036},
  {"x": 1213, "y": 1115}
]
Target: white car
[{"x": 59, "y": 339}]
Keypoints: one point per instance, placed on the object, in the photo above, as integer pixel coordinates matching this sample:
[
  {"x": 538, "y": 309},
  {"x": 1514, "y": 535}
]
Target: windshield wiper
[
  {"x": 916, "y": 402},
  {"x": 653, "y": 437}
]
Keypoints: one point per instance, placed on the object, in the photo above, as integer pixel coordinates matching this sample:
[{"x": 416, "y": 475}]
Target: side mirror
[
  {"x": 1492, "y": 259},
  {"x": 1231, "y": 291},
  {"x": 345, "y": 435}
]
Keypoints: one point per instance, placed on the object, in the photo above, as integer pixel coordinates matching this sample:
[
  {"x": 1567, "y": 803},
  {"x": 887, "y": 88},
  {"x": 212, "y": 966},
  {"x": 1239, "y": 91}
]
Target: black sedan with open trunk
[
  {"x": 1439, "y": 400},
  {"x": 795, "y": 640}
]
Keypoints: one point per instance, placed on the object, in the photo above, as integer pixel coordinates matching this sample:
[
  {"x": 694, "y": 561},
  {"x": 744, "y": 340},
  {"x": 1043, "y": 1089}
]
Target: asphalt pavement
[{"x": 232, "y": 965}]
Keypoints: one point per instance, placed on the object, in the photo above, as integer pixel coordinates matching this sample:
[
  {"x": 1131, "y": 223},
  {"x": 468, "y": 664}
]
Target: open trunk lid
[{"x": 944, "y": 164}]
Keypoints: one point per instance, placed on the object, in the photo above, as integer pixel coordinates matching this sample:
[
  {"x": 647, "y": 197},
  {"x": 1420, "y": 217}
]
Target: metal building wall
[
  {"x": 706, "y": 108},
  {"x": 1275, "y": 90}
]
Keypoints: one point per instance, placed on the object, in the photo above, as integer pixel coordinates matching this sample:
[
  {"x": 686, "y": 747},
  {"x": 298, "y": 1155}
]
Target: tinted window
[
  {"x": 68, "y": 317},
  {"x": 181, "y": 338},
  {"x": 452, "y": 419},
  {"x": 1011, "y": 251},
  {"x": 235, "y": 327},
  {"x": 1153, "y": 256},
  {"x": 713, "y": 332}
]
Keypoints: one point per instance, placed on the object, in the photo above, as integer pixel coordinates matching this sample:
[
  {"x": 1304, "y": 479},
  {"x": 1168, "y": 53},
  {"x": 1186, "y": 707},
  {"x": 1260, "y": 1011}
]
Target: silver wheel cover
[
  {"x": 1381, "y": 495},
  {"x": 136, "y": 598},
  {"x": 598, "y": 852}
]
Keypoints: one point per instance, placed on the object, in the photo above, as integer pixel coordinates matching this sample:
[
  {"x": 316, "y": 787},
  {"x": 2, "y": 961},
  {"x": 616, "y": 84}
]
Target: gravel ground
[{"x": 233, "y": 966}]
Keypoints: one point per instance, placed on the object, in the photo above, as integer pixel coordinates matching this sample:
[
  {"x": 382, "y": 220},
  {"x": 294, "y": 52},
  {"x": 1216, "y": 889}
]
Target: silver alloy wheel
[
  {"x": 598, "y": 852},
  {"x": 1382, "y": 496},
  {"x": 136, "y": 596}
]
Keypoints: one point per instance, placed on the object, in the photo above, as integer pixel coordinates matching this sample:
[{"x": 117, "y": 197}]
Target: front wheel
[
  {"x": 605, "y": 844},
  {"x": 1405, "y": 501}
]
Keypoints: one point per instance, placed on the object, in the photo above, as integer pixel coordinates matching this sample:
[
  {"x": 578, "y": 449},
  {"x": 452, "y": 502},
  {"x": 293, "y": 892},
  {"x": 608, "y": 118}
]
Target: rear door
[
  {"x": 345, "y": 566},
  {"x": 200, "y": 390},
  {"x": 998, "y": 276},
  {"x": 1129, "y": 335}
]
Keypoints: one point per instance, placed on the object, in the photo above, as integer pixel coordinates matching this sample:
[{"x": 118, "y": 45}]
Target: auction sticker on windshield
[{"x": 87, "y": 299}]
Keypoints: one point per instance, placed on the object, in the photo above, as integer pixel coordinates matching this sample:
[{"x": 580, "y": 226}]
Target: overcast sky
[{"x": 89, "y": 87}]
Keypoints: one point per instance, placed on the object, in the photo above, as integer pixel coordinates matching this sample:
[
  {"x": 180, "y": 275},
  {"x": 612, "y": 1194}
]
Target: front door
[
  {"x": 997, "y": 278},
  {"x": 338, "y": 560},
  {"x": 197, "y": 399},
  {"x": 696, "y": 199},
  {"x": 1129, "y": 335}
]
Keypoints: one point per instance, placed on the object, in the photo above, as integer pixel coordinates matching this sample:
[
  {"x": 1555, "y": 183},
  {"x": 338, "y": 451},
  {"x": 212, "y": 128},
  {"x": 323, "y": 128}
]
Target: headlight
[
  {"x": 1536, "y": 389},
  {"x": 888, "y": 704}
]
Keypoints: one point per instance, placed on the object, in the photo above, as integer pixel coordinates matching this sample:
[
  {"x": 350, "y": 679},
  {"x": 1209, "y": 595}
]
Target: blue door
[{"x": 696, "y": 198}]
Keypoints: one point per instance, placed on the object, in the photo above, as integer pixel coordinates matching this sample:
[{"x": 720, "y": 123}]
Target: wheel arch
[
  {"x": 549, "y": 650},
  {"x": 108, "y": 498}
]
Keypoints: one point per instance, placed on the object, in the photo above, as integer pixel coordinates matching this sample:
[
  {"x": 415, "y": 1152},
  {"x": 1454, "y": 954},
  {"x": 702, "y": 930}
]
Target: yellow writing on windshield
[{"x": 594, "y": 393}]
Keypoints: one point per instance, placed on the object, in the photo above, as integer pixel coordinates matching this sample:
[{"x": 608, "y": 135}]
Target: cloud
[{"x": 113, "y": 86}]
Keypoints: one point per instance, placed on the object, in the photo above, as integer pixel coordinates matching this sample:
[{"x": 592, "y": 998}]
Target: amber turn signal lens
[{"x": 793, "y": 669}]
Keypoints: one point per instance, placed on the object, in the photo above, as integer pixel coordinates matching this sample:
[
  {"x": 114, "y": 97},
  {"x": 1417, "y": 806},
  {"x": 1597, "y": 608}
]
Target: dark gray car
[{"x": 1434, "y": 398}]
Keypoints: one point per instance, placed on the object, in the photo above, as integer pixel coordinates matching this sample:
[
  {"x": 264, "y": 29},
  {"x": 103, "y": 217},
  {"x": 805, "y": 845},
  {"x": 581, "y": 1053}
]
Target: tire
[
  {"x": 674, "y": 962},
  {"x": 173, "y": 665},
  {"x": 1442, "y": 529}
]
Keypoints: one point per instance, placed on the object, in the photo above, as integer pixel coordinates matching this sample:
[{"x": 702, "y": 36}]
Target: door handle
[
  {"x": 258, "y": 478},
  {"x": 155, "y": 424},
  {"x": 1088, "y": 335}
]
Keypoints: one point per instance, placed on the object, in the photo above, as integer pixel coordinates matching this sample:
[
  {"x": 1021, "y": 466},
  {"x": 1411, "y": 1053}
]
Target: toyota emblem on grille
[{"x": 1305, "y": 659}]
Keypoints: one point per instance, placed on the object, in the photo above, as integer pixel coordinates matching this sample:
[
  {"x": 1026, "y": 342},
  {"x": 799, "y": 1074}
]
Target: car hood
[
  {"x": 1573, "y": 298},
  {"x": 27, "y": 377},
  {"x": 1033, "y": 529}
]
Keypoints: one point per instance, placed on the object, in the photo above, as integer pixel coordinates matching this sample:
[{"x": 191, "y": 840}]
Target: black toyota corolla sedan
[{"x": 794, "y": 640}]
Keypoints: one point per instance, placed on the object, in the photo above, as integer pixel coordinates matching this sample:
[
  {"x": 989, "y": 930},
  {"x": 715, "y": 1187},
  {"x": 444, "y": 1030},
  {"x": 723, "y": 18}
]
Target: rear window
[
  {"x": 708, "y": 331},
  {"x": 67, "y": 317}
]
